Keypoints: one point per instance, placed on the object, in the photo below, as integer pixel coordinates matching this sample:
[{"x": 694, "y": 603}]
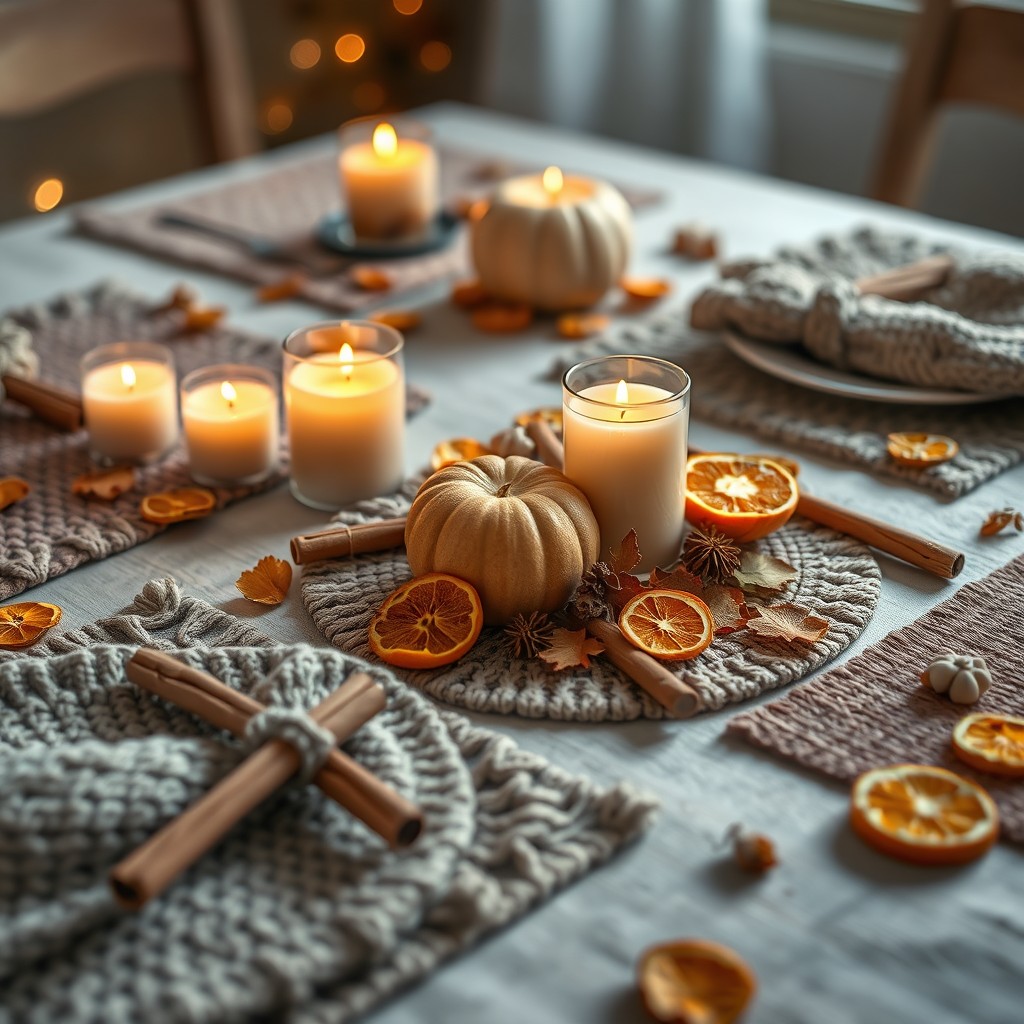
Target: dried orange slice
[
  {"x": 694, "y": 981},
  {"x": 923, "y": 814},
  {"x": 399, "y": 319},
  {"x": 921, "y": 449},
  {"x": 370, "y": 279},
  {"x": 23, "y": 624},
  {"x": 430, "y": 621},
  {"x": 991, "y": 743},
  {"x": 744, "y": 496},
  {"x": 12, "y": 489},
  {"x": 105, "y": 484},
  {"x": 468, "y": 294},
  {"x": 645, "y": 289},
  {"x": 461, "y": 449},
  {"x": 178, "y": 505},
  {"x": 668, "y": 624},
  {"x": 581, "y": 325},
  {"x": 783, "y": 460},
  {"x": 551, "y": 416},
  {"x": 502, "y": 318}
]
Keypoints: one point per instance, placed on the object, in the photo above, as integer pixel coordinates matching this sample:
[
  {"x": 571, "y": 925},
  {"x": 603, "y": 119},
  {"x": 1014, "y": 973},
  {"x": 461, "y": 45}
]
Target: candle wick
[{"x": 622, "y": 414}]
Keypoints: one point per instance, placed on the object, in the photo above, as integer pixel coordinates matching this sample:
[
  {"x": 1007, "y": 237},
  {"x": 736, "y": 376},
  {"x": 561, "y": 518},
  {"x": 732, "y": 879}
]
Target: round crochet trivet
[
  {"x": 839, "y": 580},
  {"x": 298, "y": 895}
]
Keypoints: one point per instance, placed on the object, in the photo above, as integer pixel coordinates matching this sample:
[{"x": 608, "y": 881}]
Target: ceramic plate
[
  {"x": 335, "y": 232},
  {"x": 791, "y": 363}
]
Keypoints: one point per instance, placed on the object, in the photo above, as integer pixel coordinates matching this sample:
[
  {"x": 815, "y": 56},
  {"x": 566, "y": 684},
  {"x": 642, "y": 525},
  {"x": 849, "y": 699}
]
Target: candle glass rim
[
  {"x": 384, "y": 330},
  {"x": 360, "y": 129},
  {"x": 245, "y": 371},
  {"x": 121, "y": 351},
  {"x": 676, "y": 396}
]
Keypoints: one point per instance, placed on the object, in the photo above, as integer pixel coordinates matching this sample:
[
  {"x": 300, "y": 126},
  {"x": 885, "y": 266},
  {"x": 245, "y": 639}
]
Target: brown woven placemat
[
  {"x": 52, "y": 531},
  {"x": 285, "y": 204},
  {"x": 874, "y": 711}
]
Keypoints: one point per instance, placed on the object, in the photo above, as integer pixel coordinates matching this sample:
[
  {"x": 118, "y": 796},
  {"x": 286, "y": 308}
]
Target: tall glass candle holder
[
  {"x": 130, "y": 401},
  {"x": 230, "y": 418},
  {"x": 344, "y": 390},
  {"x": 625, "y": 421},
  {"x": 389, "y": 178}
]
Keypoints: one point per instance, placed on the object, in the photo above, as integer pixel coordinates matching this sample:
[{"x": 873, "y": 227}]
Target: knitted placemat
[
  {"x": 52, "y": 531},
  {"x": 873, "y": 710},
  {"x": 299, "y": 914},
  {"x": 839, "y": 579},
  {"x": 732, "y": 394},
  {"x": 284, "y": 204}
]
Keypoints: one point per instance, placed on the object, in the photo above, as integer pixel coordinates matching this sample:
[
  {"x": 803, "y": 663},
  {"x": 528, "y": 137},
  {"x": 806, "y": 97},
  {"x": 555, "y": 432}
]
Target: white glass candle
[
  {"x": 389, "y": 177},
  {"x": 130, "y": 401},
  {"x": 345, "y": 400},
  {"x": 229, "y": 416},
  {"x": 625, "y": 421}
]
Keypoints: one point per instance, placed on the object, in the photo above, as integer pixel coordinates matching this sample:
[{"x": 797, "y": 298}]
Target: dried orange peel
[
  {"x": 668, "y": 624},
  {"x": 575, "y": 326},
  {"x": 12, "y": 489},
  {"x": 502, "y": 318},
  {"x": 991, "y": 743},
  {"x": 430, "y": 621},
  {"x": 923, "y": 814},
  {"x": 921, "y": 450},
  {"x": 177, "y": 505},
  {"x": 694, "y": 981},
  {"x": 645, "y": 289},
  {"x": 105, "y": 484},
  {"x": 24, "y": 623},
  {"x": 370, "y": 279},
  {"x": 460, "y": 449}
]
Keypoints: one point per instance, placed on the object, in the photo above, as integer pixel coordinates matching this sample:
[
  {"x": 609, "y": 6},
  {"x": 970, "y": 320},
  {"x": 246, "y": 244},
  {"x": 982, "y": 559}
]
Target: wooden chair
[
  {"x": 958, "y": 53},
  {"x": 52, "y": 51}
]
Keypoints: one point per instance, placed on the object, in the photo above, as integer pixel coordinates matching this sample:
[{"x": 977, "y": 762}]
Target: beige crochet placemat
[
  {"x": 839, "y": 579},
  {"x": 52, "y": 531},
  {"x": 732, "y": 394},
  {"x": 873, "y": 710},
  {"x": 299, "y": 914},
  {"x": 284, "y": 204}
]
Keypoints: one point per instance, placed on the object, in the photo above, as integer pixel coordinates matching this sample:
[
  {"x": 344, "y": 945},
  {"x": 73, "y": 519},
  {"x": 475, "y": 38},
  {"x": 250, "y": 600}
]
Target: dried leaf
[
  {"x": 764, "y": 571},
  {"x": 570, "y": 648},
  {"x": 267, "y": 582},
  {"x": 105, "y": 484},
  {"x": 283, "y": 288},
  {"x": 199, "y": 319},
  {"x": 728, "y": 608},
  {"x": 12, "y": 489},
  {"x": 999, "y": 520},
  {"x": 370, "y": 279},
  {"x": 627, "y": 556},
  {"x": 678, "y": 578},
  {"x": 621, "y": 588},
  {"x": 787, "y": 622},
  {"x": 183, "y": 297}
]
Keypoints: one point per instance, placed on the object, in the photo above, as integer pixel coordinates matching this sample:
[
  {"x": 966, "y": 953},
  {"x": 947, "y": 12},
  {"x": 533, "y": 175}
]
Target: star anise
[
  {"x": 708, "y": 553},
  {"x": 526, "y": 635}
]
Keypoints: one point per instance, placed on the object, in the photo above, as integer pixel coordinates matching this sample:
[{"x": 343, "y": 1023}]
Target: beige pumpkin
[
  {"x": 520, "y": 532},
  {"x": 560, "y": 250}
]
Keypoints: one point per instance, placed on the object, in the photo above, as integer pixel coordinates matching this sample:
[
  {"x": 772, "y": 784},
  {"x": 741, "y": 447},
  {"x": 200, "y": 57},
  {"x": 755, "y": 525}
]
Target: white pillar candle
[
  {"x": 625, "y": 448},
  {"x": 129, "y": 398},
  {"x": 229, "y": 415},
  {"x": 390, "y": 181},
  {"x": 345, "y": 405}
]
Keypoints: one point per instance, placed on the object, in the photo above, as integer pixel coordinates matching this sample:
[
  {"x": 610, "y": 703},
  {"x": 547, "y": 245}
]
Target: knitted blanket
[
  {"x": 299, "y": 914},
  {"x": 967, "y": 333}
]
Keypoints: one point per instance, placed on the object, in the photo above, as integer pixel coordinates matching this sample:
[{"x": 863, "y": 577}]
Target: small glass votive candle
[
  {"x": 230, "y": 418},
  {"x": 389, "y": 178},
  {"x": 624, "y": 425},
  {"x": 130, "y": 401},
  {"x": 344, "y": 391}
]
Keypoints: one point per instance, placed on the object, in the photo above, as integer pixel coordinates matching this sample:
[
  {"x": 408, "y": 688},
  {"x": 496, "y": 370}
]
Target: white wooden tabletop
[{"x": 836, "y": 934}]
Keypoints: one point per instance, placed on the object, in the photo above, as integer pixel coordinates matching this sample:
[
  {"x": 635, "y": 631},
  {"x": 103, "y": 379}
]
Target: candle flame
[
  {"x": 128, "y": 375},
  {"x": 622, "y": 394},
  {"x": 227, "y": 389},
  {"x": 347, "y": 357},
  {"x": 553, "y": 181},
  {"x": 385, "y": 141}
]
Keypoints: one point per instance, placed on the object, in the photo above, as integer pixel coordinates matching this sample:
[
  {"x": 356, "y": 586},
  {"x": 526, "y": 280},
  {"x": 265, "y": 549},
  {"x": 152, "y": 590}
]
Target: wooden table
[{"x": 837, "y": 934}]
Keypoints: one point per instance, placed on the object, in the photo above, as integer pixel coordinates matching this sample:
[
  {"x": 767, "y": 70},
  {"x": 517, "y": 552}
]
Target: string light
[
  {"x": 407, "y": 6},
  {"x": 277, "y": 117},
  {"x": 349, "y": 48},
  {"x": 48, "y": 194},
  {"x": 435, "y": 55},
  {"x": 305, "y": 54}
]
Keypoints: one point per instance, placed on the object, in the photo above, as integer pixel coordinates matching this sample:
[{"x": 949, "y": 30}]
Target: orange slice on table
[
  {"x": 24, "y": 623},
  {"x": 745, "y": 496},
  {"x": 667, "y": 624},
  {"x": 581, "y": 325},
  {"x": 694, "y": 981},
  {"x": 645, "y": 289},
  {"x": 177, "y": 505},
  {"x": 923, "y": 814},
  {"x": 502, "y": 317},
  {"x": 461, "y": 449},
  {"x": 430, "y": 621},
  {"x": 921, "y": 449},
  {"x": 468, "y": 294},
  {"x": 991, "y": 743}
]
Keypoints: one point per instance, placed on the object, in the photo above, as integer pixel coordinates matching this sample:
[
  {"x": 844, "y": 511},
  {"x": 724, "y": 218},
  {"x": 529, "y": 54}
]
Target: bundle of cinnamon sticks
[{"x": 56, "y": 406}]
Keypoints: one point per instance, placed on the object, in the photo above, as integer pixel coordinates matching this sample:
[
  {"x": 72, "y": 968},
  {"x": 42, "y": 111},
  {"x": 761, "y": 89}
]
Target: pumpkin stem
[{"x": 503, "y": 490}]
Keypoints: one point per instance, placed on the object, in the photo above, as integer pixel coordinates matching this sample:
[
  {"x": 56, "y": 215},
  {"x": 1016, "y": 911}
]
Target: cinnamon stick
[
  {"x": 678, "y": 698},
  {"x": 908, "y": 282},
  {"x": 549, "y": 447},
  {"x": 53, "y": 405},
  {"x": 343, "y": 541}
]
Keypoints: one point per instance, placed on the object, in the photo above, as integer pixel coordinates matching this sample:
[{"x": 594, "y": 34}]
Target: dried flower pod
[
  {"x": 963, "y": 677},
  {"x": 752, "y": 851},
  {"x": 710, "y": 554},
  {"x": 512, "y": 441},
  {"x": 527, "y": 635},
  {"x": 695, "y": 241}
]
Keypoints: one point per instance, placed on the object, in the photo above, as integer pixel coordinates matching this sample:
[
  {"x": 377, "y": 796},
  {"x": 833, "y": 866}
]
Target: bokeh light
[
  {"x": 368, "y": 96},
  {"x": 48, "y": 194},
  {"x": 435, "y": 56},
  {"x": 277, "y": 117},
  {"x": 305, "y": 53},
  {"x": 350, "y": 47},
  {"x": 407, "y": 6}
]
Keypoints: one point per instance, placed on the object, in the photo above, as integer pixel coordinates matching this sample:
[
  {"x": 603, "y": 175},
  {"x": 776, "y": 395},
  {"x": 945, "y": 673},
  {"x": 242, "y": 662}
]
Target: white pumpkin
[
  {"x": 558, "y": 250},
  {"x": 963, "y": 677}
]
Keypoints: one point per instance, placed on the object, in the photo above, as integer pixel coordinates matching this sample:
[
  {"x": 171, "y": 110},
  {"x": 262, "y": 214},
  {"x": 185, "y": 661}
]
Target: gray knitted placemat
[
  {"x": 839, "y": 579},
  {"x": 299, "y": 914},
  {"x": 285, "y": 203},
  {"x": 967, "y": 333},
  {"x": 52, "y": 531},
  {"x": 732, "y": 394},
  {"x": 872, "y": 710}
]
